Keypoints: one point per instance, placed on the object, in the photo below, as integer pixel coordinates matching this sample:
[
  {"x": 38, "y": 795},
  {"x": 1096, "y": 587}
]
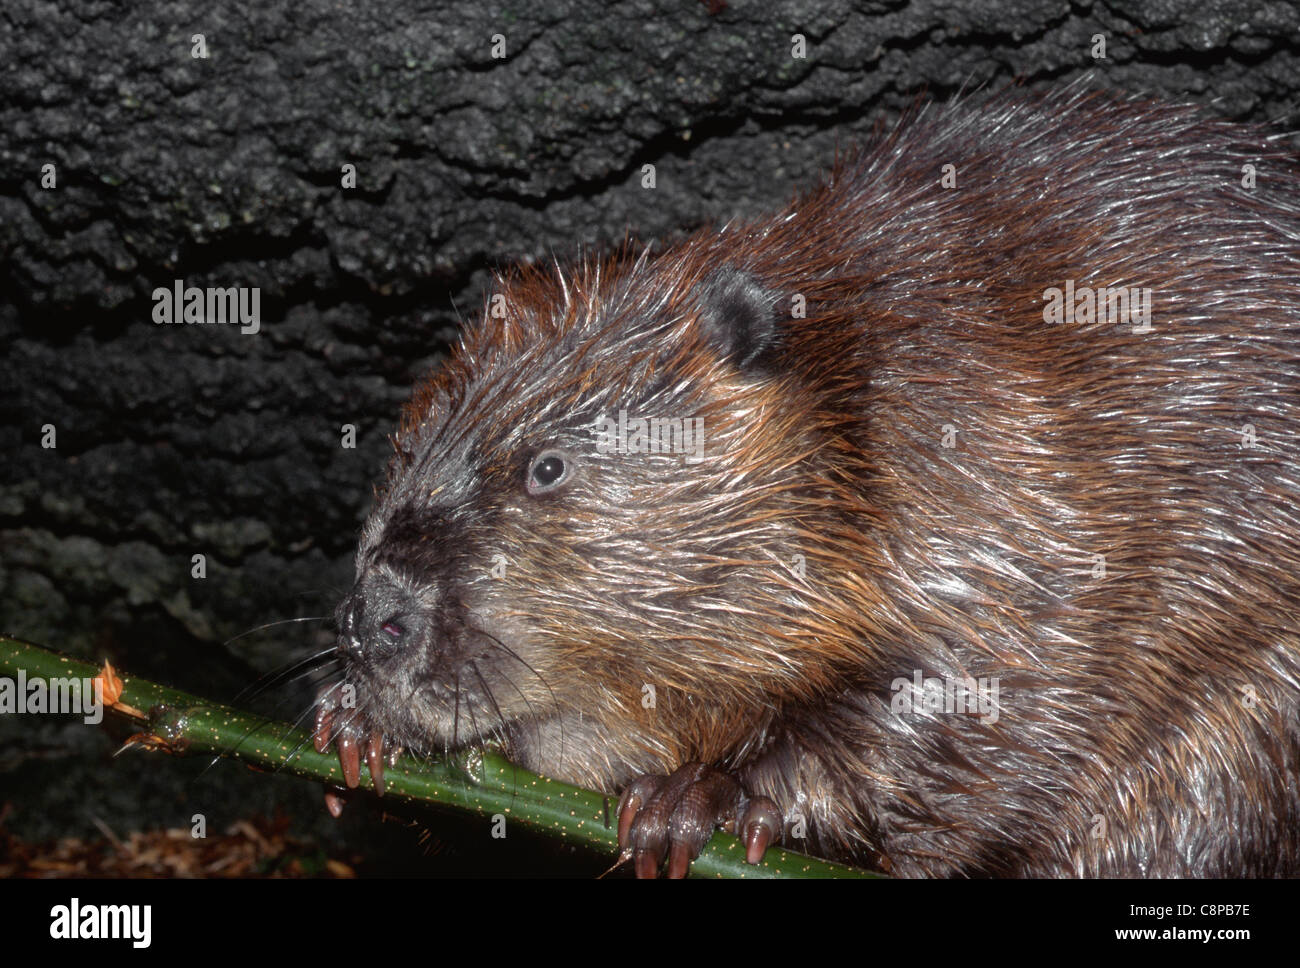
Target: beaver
[{"x": 944, "y": 522}]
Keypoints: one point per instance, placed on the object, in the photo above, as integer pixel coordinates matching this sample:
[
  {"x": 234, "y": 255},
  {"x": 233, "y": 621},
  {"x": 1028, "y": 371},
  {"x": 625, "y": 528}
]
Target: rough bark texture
[{"x": 225, "y": 171}]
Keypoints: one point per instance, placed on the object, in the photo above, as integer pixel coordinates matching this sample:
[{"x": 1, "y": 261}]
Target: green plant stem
[{"x": 480, "y": 781}]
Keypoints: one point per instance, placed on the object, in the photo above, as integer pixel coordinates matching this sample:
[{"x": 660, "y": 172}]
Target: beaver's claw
[
  {"x": 334, "y": 728},
  {"x": 676, "y": 815}
]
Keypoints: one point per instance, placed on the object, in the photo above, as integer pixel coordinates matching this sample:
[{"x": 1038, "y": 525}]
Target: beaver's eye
[{"x": 550, "y": 469}]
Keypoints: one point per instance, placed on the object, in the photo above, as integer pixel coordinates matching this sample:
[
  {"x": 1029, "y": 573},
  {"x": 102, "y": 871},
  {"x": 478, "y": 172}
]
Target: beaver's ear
[{"x": 738, "y": 316}]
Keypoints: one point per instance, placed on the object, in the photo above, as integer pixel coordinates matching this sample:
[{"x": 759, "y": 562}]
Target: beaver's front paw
[
  {"x": 340, "y": 728},
  {"x": 676, "y": 815}
]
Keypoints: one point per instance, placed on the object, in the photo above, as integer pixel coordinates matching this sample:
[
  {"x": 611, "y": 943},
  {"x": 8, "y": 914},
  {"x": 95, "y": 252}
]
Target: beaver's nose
[{"x": 378, "y": 619}]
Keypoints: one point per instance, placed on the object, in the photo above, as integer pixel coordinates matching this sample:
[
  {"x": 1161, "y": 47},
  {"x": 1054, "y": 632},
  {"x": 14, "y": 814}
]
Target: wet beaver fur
[{"x": 933, "y": 456}]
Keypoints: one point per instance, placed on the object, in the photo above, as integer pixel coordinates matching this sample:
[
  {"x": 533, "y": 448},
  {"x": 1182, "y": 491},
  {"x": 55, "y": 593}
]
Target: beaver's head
[{"x": 595, "y": 535}]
